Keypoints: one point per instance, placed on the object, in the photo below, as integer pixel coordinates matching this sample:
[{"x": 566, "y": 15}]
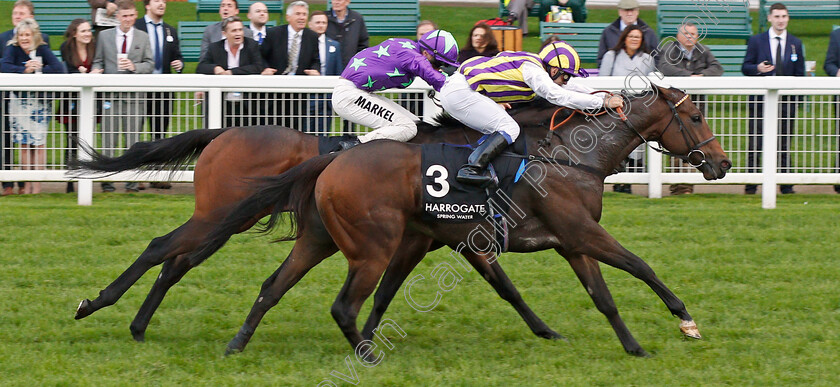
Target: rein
[
  {"x": 687, "y": 136},
  {"x": 553, "y": 127},
  {"x": 683, "y": 130}
]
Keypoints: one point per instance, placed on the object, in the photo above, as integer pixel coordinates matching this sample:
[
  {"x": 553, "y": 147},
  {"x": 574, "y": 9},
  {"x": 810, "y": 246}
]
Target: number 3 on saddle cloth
[{"x": 448, "y": 201}]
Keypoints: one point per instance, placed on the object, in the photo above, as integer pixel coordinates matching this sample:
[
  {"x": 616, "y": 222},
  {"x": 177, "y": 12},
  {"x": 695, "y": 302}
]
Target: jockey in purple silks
[
  {"x": 392, "y": 64},
  {"x": 478, "y": 93}
]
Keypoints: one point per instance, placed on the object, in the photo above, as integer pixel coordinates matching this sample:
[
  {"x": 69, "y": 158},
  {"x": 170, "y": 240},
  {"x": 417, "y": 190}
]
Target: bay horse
[
  {"x": 366, "y": 199},
  {"x": 225, "y": 159}
]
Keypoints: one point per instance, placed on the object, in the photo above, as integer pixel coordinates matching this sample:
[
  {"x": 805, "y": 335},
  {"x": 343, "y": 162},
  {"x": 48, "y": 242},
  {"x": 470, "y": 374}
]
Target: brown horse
[
  {"x": 226, "y": 157},
  {"x": 368, "y": 198}
]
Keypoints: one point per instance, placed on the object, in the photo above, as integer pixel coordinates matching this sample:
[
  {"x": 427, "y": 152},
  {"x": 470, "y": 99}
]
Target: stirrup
[{"x": 472, "y": 175}]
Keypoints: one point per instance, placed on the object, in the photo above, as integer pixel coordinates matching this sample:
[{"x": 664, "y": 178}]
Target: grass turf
[{"x": 760, "y": 283}]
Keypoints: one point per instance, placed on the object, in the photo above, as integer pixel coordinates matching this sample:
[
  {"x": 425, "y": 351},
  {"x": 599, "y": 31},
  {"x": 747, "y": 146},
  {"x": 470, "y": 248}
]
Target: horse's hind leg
[
  {"x": 159, "y": 250},
  {"x": 589, "y": 273},
  {"x": 493, "y": 273},
  {"x": 304, "y": 256},
  {"x": 172, "y": 272},
  {"x": 362, "y": 277},
  {"x": 407, "y": 258},
  {"x": 411, "y": 251}
]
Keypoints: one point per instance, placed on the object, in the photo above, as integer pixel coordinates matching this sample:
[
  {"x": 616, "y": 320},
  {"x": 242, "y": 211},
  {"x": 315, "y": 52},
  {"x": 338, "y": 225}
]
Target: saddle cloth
[{"x": 448, "y": 201}]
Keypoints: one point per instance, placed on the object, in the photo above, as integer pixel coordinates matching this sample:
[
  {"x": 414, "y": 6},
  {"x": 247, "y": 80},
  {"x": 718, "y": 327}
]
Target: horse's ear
[
  {"x": 670, "y": 93},
  {"x": 665, "y": 92}
]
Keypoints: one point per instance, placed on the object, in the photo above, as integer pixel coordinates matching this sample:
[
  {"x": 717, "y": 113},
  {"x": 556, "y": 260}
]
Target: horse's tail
[
  {"x": 292, "y": 191},
  {"x": 167, "y": 153}
]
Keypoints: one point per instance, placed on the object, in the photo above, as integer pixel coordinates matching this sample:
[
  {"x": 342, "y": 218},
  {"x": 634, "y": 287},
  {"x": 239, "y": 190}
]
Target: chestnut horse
[
  {"x": 366, "y": 199},
  {"x": 226, "y": 157}
]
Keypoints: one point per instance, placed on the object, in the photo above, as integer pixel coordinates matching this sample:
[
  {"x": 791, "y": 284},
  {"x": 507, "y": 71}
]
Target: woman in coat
[
  {"x": 29, "y": 112},
  {"x": 629, "y": 56}
]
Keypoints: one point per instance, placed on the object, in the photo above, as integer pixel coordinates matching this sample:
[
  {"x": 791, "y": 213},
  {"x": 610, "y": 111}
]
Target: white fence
[{"x": 109, "y": 110}]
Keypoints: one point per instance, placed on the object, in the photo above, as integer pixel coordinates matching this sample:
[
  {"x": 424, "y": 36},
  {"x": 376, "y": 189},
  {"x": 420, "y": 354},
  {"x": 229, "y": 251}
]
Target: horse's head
[{"x": 686, "y": 135}]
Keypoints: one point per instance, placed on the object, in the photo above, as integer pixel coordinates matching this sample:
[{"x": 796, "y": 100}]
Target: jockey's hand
[
  {"x": 613, "y": 101},
  {"x": 504, "y": 105}
]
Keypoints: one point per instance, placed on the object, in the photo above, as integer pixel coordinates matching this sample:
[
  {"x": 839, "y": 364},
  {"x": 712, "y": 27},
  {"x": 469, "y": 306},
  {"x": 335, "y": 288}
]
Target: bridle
[{"x": 687, "y": 136}]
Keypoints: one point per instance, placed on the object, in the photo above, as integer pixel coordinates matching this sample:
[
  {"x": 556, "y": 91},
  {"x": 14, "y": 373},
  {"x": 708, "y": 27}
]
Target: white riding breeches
[
  {"x": 475, "y": 109},
  {"x": 388, "y": 119}
]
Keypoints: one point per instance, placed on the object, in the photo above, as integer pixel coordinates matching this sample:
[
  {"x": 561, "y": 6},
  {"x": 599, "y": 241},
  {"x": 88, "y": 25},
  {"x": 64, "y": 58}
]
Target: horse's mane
[
  {"x": 653, "y": 91},
  {"x": 443, "y": 120}
]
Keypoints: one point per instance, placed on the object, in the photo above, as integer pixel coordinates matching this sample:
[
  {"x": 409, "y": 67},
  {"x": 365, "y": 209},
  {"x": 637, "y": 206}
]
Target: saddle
[{"x": 330, "y": 144}]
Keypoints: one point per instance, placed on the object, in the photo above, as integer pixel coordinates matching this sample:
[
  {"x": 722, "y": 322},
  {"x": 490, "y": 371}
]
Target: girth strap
[{"x": 564, "y": 162}]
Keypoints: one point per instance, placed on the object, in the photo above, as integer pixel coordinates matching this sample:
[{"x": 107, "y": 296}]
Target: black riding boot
[{"x": 474, "y": 172}]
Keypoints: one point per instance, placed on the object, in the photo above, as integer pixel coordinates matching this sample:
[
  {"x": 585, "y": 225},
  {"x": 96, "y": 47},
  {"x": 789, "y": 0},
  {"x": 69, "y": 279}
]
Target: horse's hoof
[
  {"x": 138, "y": 335},
  {"x": 552, "y": 335},
  {"x": 232, "y": 351},
  {"x": 639, "y": 352},
  {"x": 689, "y": 329},
  {"x": 83, "y": 310}
]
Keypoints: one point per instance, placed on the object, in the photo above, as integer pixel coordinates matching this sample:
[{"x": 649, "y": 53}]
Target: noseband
[{"x": 687, "y": 136}]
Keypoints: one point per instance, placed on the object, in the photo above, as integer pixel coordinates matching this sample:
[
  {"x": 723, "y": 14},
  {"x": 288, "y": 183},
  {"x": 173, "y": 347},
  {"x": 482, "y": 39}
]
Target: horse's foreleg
[
  {"x": 411, "y": 251},
  {"x": 172, "y": 272},
  {"x": 159, "y": 249},
  {"x": 493, "y": 274},
  {"x": 603, "y": 247},
  {"x": 304, "y": 256},
  {"x": 589, "y": 273}
]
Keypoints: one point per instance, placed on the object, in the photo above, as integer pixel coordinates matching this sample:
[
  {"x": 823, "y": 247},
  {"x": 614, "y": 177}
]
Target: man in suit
[
  {"x": 234, "y": 55},
  {"x": 258, "y": 16},
  {"x": 329, "y": 50},
  {"x": 832, "y": 69},
  {"x": 123, "y": 50},
  {"x": 292, "y": 49},
  {"x": 775, "y": 52},
  {"x": 167, "y": 53},
  {"x": 289, "y": 49},
  {"x": 213, "y": 32},
  {"x": 23, "y": 9},
  {"x": 320, "y": 107}
]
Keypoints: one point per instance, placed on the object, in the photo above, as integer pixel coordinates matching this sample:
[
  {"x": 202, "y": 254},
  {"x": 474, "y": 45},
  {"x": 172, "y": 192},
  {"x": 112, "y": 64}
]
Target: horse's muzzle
[{"x": 714, "y": 171}]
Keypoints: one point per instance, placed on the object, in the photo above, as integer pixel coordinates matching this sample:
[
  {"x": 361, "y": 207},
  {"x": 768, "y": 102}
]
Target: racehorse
[
  {"x": 365, "y": 199},
  {"x": 226, "y": 157}
]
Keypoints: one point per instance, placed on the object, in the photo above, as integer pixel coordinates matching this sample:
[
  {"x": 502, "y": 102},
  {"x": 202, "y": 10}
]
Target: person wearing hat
[
  {"x": 628, "y": 14},
  {"x": 478, "y": 93}
]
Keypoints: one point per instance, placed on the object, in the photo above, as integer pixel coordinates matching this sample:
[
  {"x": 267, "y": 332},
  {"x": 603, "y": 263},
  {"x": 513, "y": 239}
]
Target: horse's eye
[{"x": 695, "y": 118}]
